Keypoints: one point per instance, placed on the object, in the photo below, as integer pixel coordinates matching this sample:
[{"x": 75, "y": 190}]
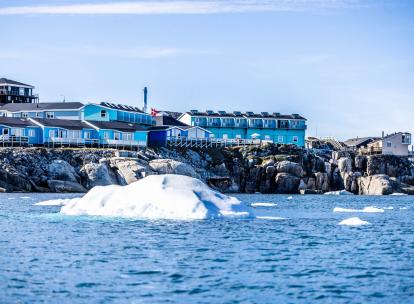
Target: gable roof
[
  {"x": 62, "y": 123},
  {"x": 355, "y": 142},
  {"x": 16, "y": 122},
  {"x": 5, "y": 81},
  {"x": 116, "y": 125},
  {"x": 41, "y": 106},
  {"x": 164, "y": 120}
]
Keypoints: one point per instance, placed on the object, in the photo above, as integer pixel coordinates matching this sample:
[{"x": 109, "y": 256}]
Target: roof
[
  {"x": 117, "y": 125},
  {"x": 4, "y": 81},
  {"x": 62, "y": 123},
  {"x": 246, "y": 114},
  {"x": 16, "y": 122},
  {"x": 41, "y": 106},
  {"x": 121, "y": 107},
  {"x": 164, "y": 120},
  {"x": 394, "y": 134},
  {"x": 354, "y": 142},
  {"x": 175, "y": 115}
]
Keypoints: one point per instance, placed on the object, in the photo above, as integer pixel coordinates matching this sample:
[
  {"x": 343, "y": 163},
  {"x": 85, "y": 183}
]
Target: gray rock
[
  {"x": 98, "y": 175},
  {"x": 290, "y": 168},
  {"x": 169, "y": 166},
  {"x": 322, "y": 181},
  {"x": 378, "y": 184},
  {"x": 61, "y": 170},
  {"x": 345, "y": 165},
  {"x": 287, "y": 183},
  {"x": 129, "y": 170},
  {"x": 65, "y": 186}
]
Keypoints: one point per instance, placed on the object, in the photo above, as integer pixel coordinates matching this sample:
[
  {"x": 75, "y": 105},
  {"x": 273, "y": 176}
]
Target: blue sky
[{"x": 348, "y": 66}]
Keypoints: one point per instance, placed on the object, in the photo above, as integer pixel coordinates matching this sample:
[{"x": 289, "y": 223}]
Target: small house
[{"x": 18, "y": 130}]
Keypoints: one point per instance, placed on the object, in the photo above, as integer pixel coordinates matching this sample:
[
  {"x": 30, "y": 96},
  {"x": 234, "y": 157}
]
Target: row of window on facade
[
  {"x": 243, "y": 123},
  {"x": 280, "y": 138},
  {"x": 15, "y": 91}
]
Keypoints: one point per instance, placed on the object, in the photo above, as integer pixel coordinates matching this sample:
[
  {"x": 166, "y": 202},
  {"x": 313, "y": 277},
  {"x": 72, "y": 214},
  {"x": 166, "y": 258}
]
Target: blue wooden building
[
  {"x": 18, "y": 130},
  {"x": 111, "y": 112},
  {"x": 272, "y": 127},
  {"x": 45, "y": 110}
]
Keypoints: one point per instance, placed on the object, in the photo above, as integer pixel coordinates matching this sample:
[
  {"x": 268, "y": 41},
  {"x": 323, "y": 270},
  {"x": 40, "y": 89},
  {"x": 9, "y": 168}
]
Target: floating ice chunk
[
  {"x": 290, "y": 197},
  {"x": 388, "y": 208},
  {"x": 369, "y": 209},
  {"x": 25, "y": 197},
  {"x": 397, "y": 193},
  {"x": 341, "y": 192},
  {"x": 353, "y": 221},
  {"x": 159, "y": 197},
  {"x": 271, "y": 218},
  {"x": 57, "y": 202},
  {"x": 263, "y": 205},
  {"x": 403, "y": 208}
]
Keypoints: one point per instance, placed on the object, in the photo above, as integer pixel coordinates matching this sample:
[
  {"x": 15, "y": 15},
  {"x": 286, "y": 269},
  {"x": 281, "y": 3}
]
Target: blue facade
[
  {"x": 96, "y": 112},
  {"x": 283, "y": 129},
  {"x": 33, "y": 134}
]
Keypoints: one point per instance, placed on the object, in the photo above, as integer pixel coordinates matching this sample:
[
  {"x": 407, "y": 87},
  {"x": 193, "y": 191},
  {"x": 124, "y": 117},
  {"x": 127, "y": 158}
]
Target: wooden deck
[{"x": 209, "y": 142}]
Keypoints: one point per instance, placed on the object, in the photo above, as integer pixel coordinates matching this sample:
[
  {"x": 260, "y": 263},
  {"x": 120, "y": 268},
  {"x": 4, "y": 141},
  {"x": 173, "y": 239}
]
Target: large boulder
[
  {"x": 345, "y": 165},
  {"x": 65, "y": 186},
  {"x": 98, "y": 174},
  {"x": 129, "y": 170},
  {"x": 322, "y": 181},
  {"x": 287, "y": 183},
  {"x": 378, "y": 184},
  {"x": 61, "y": 170},
  {"x": 170, "y": 166},
  {"x": 289, "y": 168}
]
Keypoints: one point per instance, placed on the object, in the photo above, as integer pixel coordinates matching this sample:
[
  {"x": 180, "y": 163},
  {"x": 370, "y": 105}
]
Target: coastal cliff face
[{"x": 265, "y": 169}]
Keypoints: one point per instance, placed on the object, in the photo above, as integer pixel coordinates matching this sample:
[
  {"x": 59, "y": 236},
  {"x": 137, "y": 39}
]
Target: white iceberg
[
  {"x": 168, "y": 196},
  {"x": 341, "y": 192},
  {"x": 57, "y": 202},
  {"x": 398, "y": 193},
  {"x": 353, "y": 221},
  {"x": 275, "y": 218},
  {"x": 263, "y": 205},
  {"x": 369, "y": 209}
]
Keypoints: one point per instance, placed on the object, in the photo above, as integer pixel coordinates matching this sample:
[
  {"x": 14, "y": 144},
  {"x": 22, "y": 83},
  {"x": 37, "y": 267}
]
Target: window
[
  {"x": 267, "y": 137},
  {"x": 116, "y": 135},
  {"x": 5, "y": 131},
  {"x": 103, "y": 113},
  {"x": 212, "y": 135},
  {"x": 238, "y": 136},
  {"x": 52, "y": 133},
  {"x": 280, "y": 138},
  {"x": 389, "y": 144},
  {"x": 74, "y": 134},
  {"x": 25, "y": 114},
  {"x": 63, "y": 133},
  {"x": 295, "y": 139},
  {"x": 87, "y": 135},
  {"x": 50, "y": 115},
  {"x": 21, "y": 91},
  {"x": 38, "y": 114},
  {"x": 31, "y": 133},
  {"x": 127, "y": 136},
  {"x": 225, "y": 136},
  {"x": 17, "y": 131},
  {"x": 106, "y": 135}
]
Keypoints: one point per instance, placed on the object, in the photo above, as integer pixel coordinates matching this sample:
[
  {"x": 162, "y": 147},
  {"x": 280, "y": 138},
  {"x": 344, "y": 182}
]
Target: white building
[{"x": 394, "y": 144}]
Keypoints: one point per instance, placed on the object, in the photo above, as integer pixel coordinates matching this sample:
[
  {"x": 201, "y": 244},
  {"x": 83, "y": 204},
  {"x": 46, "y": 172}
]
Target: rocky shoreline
[{"x": 266, "y": 169}]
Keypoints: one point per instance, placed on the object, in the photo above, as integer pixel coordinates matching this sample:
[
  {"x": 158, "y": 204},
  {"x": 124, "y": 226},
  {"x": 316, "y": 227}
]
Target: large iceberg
[{"x": 158, "y": 197}]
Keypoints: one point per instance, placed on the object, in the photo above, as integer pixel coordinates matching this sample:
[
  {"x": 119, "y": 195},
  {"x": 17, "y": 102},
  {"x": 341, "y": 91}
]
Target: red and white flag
[{"x": 154, "y": 112}]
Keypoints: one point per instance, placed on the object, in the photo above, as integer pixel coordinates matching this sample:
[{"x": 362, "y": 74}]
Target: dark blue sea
[{"x": 306, "y": 257}]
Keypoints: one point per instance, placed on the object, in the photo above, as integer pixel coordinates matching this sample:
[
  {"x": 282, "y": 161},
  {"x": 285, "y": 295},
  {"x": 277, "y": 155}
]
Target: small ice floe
[
  {"x": 57, "y": 202},
  {"x": 263, "y": 205},
  {"x": 341, "y": 192},
  {"x": 25, "y": 197},
  {"x": 353, "y": 221},
  {"x": 369, "y": 209},
  {"x": 275, "y": 218},
  {"x": 397, "y": 193},
  {"x": 169, "y": 196},
  {"x": 290, "y": 197},
  {"x": 388, "y": 208},
  {"x": 403, "y": 208}
]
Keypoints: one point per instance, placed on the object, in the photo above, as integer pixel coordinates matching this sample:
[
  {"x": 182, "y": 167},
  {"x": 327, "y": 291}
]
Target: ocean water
[{"x": 296, "y": 253}]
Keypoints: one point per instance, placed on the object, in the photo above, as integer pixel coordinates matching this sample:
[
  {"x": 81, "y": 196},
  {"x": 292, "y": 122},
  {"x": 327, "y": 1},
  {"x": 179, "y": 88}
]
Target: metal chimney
[{"x": 145, "y": 100}]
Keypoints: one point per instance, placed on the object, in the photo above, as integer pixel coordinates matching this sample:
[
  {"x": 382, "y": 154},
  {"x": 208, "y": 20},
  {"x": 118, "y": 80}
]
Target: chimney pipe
[
  {"x": 145, "y": 100},
  {"x": 382, "y": 134}
]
